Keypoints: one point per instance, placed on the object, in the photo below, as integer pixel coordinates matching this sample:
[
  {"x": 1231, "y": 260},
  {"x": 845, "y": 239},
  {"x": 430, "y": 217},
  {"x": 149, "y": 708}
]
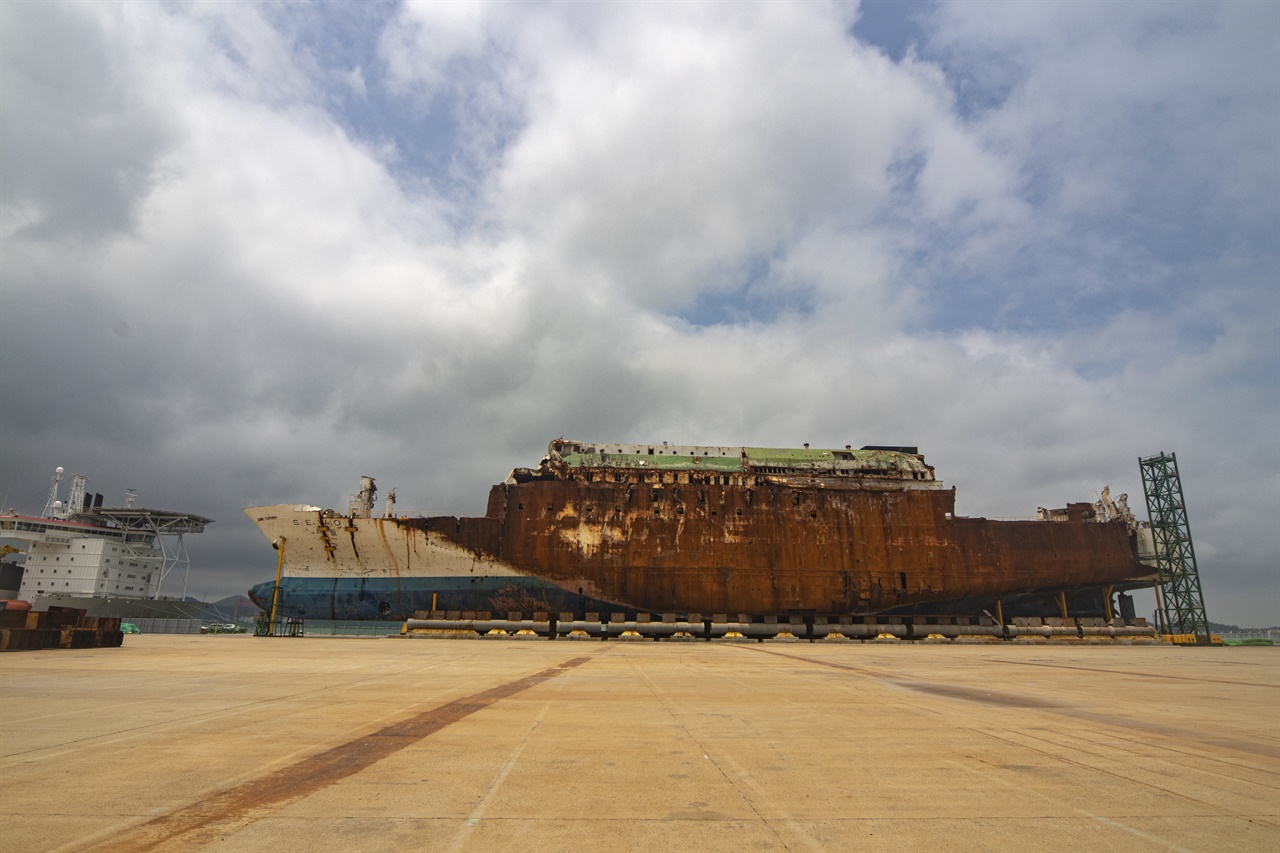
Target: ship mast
[
  {"x": 52, "y": 503},
  {"x": 75, "y": 496}
]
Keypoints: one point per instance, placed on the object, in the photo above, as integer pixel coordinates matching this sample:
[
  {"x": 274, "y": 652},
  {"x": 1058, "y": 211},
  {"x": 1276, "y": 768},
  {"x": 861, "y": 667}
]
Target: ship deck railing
[{"x": 1013, "y": 518}]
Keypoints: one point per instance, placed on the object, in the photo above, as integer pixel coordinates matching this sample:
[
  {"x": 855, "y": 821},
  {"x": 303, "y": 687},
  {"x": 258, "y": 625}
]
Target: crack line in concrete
[
  {"x": 1134, "y": 747},
  {"x": 743, "y": 775},
  {"x": 474, "y": 818},
  {"x": 1138, "y": 674},
  {"x": 1057, "y": 756},
  {"x": 1112, "y": 822},
  {"x": 44, "y": 753},
  {"x": 1012, "y": 700},
  {"x": 319, "y": 771}
]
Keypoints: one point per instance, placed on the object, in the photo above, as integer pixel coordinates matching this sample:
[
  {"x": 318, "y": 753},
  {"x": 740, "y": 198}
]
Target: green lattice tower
[{"x": 1175, "y": 554}]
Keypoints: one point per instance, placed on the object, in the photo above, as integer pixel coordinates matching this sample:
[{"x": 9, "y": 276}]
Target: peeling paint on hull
[{"x": 688, "y": 541}]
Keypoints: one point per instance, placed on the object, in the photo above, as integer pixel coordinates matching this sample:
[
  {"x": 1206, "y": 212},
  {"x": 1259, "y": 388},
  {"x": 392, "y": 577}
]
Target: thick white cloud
[
  {"x": 1159, "y": 118},
  {"x": 1020, "y": 248}
]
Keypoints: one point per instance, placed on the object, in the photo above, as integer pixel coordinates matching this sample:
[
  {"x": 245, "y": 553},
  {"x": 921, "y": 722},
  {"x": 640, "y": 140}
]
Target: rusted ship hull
[
  {"x": 687, "y": 541},
  {"x": 779, "y": 548}
]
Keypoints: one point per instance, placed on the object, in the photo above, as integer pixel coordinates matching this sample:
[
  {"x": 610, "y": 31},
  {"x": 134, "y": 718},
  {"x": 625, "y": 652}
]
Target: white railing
[{"x": 1271, "y": 636}]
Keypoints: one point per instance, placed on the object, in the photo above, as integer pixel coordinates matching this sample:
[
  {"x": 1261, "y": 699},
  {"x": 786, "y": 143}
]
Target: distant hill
[
  {"x": 236, "y": 607},
  {"x": 1219, "y": 628}
]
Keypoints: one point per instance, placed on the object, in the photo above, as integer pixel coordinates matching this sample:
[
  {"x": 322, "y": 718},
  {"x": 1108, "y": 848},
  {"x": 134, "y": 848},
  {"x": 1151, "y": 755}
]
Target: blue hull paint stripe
[{"x": 398, "y": 598}]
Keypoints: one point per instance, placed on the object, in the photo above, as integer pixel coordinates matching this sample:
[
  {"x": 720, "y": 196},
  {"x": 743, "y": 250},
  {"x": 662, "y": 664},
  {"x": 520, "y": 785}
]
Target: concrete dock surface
[{"x": 311, "y": 744}]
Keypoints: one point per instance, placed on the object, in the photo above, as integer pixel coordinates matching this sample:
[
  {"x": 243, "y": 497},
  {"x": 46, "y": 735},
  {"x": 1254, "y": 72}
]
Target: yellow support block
[{"x": 1190, "y": 639}]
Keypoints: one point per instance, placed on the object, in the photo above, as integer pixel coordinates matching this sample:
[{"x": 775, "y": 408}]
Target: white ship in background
[{"x": 81, "y": 548}]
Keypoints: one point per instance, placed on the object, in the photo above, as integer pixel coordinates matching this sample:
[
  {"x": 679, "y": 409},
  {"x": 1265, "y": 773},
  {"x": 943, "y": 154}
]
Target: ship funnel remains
[{"x": 361, "y": 505}]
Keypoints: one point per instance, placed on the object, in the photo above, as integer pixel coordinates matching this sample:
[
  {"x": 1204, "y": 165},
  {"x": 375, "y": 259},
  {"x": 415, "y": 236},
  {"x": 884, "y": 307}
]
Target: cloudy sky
[{"x": 250, "y": 252}]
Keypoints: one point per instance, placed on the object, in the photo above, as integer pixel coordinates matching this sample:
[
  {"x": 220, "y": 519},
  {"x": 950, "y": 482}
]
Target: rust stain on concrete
[{"x": 237, "y": 804}]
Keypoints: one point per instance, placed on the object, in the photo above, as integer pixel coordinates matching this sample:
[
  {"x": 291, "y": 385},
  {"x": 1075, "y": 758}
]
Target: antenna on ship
[
  {"x": 129, "y": 496},
  {"x": 52, "y": 503}
]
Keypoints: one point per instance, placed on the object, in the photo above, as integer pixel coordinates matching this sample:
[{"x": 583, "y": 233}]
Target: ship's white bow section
[{"x": 319, "y": 543}]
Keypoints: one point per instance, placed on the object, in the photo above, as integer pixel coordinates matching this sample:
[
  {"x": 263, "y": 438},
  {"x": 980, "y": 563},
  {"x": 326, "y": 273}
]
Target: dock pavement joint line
[
  {"x": 1126, "y": 672},
  {"x": 1013, "y": 700},
  {"x": 319, "y": 771}
]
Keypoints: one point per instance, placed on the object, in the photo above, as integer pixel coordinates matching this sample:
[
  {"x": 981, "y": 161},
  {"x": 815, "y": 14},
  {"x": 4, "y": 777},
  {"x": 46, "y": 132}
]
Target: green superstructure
[{"x": 898, "y": 463}]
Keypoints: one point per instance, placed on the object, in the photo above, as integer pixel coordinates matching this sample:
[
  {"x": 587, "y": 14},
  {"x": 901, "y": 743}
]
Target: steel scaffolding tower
[{"x": 1179, "y": 579}]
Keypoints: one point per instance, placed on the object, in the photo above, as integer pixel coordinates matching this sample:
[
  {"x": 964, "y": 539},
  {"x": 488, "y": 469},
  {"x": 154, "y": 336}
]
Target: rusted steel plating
[{"x": 773, "y": 531}]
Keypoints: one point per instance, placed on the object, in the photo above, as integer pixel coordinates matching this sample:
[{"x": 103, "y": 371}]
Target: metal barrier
[
  {"x": 155, "y": 625},
  {"x": 351, "y": 628},
  {"x": 283, "y": 626},
  {"x": 1251, "y": 638}
]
